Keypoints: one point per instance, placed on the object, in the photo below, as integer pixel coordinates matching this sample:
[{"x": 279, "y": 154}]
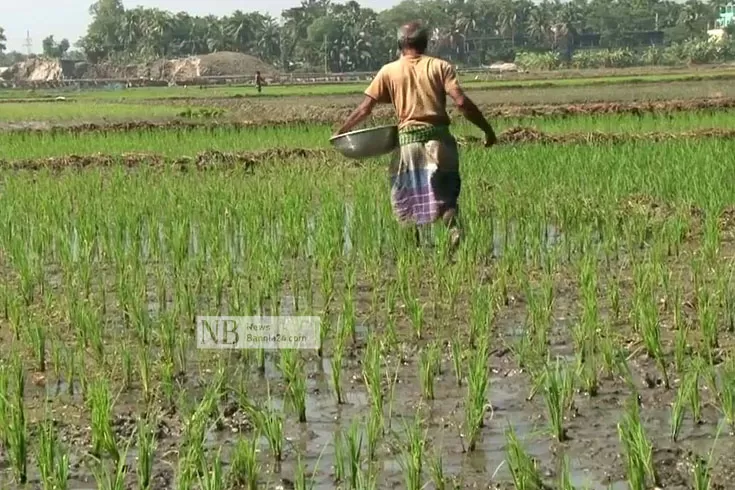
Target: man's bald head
[{"x": 413, "y": 36}]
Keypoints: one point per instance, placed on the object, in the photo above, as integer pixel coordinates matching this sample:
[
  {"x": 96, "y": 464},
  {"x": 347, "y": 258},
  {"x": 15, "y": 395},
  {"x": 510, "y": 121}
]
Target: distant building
[{"x": 726, "y": 18}]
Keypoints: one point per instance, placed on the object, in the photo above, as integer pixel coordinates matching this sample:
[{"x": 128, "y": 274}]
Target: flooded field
[{"x": 581, "y": 336}]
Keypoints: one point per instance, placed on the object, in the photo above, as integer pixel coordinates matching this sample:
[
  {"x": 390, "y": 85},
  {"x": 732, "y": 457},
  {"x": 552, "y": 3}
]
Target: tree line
[{"x": 320, "y": 35}]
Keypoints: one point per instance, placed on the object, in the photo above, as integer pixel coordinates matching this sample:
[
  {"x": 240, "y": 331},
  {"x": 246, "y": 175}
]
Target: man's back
[{"x": 417, "y": 86}]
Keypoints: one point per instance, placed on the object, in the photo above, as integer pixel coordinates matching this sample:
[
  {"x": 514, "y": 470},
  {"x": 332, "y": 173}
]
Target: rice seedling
[
  {"x": 651, "y": 331},
  {"x": 456, "y": 347},
  {"x": 702, "y": 471},
  {"x": 340, "y": 462},
  {"x": 681, "y": 349},
  {"x": 412, "y": 454},
  {"x": 245, "y": 468},
  {"x": 565, "y": 478},
  {"x": 146, "y": 447},
  {"x": 436, "y": 470},
  {"x": 211, "y": 476},
  {"x": 727, "y": 392},
  {"x": 101, "y": 410},
  {"x": 638, "y": 449},
  {"x": 428, "y": 369},
  {"x": 145, "y": 375},
  {"x": 353, "y": 443},
  {"x": 38, "y": 333},
  {"x": 476, "y": 398},
  {"x": 270, "y": 424},
  {"x": 523, "y": 467},
  {"x": 115, "y": 480},
  {"x": 691, "y": 380},
  {"x": 372, "y": 374},
  {"x": 17, "y": 428},
  {"x": 677, "y": 410},
  {"x": 556, "y": 393},
  {"x": 53, "y": 460},
  {"x": 707, "y": 320},
  {"x": 292, "y": 367},
  {"x": 300, "y": 481}
]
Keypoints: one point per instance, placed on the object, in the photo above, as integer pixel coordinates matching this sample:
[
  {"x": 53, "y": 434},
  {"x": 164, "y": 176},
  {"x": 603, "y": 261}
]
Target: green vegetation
[
  {"x": 322, "y": 35},
  {"x": 96, "y": 228},
  {"x": 178, "y": 142},
  {"x": 83, "y": 111},
  {"x": 471, "y": 84},
  {"x": 583, "y": 329}
]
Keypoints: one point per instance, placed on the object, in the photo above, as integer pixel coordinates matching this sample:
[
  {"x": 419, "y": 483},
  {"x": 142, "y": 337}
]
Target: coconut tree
[
  {"x": 539, "y": 24},
  {"x": 267, "y": 39}
]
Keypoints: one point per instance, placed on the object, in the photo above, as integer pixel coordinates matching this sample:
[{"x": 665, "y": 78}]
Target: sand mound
[
  {"x": 228, "y": 63},
  {"x": 208, "y": 65},
  {"x": 35, "y": 69},
  {"x": 181, "y": 69}
]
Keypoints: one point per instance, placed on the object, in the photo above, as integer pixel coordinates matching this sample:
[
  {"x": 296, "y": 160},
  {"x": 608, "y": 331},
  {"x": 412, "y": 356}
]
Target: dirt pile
[
  {"x": 181, "y": 69},
  {"x": 35, "y": 69},
  {"x": 210, "y": 65}
]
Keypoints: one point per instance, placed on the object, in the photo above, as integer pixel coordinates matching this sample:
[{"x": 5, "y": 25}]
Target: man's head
[{"x": 413, "y": 37}]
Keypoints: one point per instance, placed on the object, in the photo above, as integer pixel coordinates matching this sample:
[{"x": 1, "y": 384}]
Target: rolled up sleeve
[
  {"x": 379, "y": 88},
  {"x": 449, "y": 74}
]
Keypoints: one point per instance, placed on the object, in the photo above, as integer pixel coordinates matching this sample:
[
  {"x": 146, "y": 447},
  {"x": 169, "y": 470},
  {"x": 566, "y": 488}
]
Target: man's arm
[
  {"x": 466, "y": 106},
  {"x": 377, "y": 92},
  {"x": 358, "y": 115}
]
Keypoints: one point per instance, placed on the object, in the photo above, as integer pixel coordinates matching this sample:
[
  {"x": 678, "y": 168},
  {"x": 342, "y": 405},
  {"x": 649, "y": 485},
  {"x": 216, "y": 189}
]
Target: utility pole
[
  {"x": 29, "y": 42},
  {"x": 326, "y": 55}
]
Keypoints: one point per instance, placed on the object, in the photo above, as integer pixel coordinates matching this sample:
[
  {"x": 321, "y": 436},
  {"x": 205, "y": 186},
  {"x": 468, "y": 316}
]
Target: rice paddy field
[{"x": 580, "y": 337}]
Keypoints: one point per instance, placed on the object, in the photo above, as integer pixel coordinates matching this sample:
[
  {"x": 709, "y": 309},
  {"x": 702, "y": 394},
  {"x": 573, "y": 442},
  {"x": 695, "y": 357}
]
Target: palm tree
[
  {"x": 539, "y": 22},
  {"x": 507, "y": 20},
  {"x": 157, "y": 30},
  {"x": 240, "y": 29},
  {"x": 267, "y": 40}
]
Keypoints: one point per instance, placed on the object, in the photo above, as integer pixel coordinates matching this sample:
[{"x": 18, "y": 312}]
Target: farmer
[
  {"x": 425, "y": 170},
  {"x": 258, "y": 81}
]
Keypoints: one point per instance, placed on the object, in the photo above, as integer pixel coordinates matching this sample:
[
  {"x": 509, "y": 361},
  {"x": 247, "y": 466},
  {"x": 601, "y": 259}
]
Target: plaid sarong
[{"x": 425, "y": 175}]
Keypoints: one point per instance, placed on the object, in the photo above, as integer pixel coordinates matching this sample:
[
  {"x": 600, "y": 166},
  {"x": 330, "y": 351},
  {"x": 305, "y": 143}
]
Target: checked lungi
[{"x": 425, "y": 175}]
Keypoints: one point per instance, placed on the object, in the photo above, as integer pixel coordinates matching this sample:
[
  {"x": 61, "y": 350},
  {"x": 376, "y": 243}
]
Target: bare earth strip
[{"x": 329, "y": 115}]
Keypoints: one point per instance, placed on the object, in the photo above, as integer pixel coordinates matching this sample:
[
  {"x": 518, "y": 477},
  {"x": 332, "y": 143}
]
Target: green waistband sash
[{"x": 423, "y": 134}]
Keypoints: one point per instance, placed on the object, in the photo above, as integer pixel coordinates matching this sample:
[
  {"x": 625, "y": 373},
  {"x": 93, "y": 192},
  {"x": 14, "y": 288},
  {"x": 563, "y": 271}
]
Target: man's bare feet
[{"x": 455, "y": 237}]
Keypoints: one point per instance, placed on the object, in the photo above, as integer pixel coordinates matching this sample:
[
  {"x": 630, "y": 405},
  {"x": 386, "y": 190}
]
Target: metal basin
[{"x": 366, "y": 143}]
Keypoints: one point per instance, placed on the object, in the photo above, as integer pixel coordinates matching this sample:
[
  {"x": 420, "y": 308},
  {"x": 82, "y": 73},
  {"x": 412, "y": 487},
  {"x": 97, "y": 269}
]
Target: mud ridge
[
  {"x": 216, "y": 159},
  {"x": 330, "y": 114},
  {"x": 524, "y": 135},
  {"x": 202, "y": 161}
]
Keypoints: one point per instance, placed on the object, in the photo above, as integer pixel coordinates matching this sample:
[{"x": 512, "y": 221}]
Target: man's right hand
[{"x": 490, "y": 139}]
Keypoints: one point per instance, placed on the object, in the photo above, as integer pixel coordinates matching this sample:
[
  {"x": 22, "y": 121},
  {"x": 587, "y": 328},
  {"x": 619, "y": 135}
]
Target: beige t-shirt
[{"x": 417, "y": 86}]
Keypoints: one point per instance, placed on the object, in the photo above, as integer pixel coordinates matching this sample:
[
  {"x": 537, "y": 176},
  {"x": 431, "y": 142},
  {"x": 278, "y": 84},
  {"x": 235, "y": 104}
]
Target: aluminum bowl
[{"x": 366, "y": 143}]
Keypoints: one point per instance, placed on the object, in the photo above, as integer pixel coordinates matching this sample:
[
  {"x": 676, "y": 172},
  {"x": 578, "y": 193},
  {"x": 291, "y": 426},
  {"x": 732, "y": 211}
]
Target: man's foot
[{"x": 455, "y": 237}]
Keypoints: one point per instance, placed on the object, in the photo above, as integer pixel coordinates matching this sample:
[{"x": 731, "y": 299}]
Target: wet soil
[{"x": 592, "y": 446}]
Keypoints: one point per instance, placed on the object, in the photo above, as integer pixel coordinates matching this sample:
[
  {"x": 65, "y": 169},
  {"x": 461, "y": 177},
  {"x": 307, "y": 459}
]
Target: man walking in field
[
  {"x": 258, "y": 81},
  {"x": 425, "y": 170}
]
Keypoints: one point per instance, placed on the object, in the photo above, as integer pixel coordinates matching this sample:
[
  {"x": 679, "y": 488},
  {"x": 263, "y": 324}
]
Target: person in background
[
  {"x": 425, "y": 176},
  {"x": 258, "y": 81}
]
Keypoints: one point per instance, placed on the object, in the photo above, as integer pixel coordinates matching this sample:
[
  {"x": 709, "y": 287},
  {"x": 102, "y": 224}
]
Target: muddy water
[{"x": 593, "y": 448}]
